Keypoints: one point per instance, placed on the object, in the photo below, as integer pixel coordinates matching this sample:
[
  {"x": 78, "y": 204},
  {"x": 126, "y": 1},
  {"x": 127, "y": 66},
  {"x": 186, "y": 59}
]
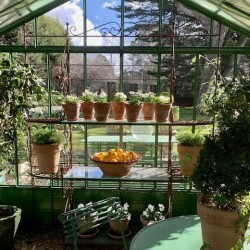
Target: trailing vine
[{"x": 20, "y": 89}]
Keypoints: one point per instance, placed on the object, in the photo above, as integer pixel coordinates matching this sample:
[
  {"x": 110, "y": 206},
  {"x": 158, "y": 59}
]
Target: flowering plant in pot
[
  {"x": 47, "y": 146},
  {"x": 87, "y": 220},
  {"x": 71, "y": 106},
  {"x": 152, "y": 214},
  {"x": 162, "y": 108},
  {"x": 148, "y": 105},
  {"x": 134, "y": 106},
  {"x": 118, "y": 105},
  {"x": 119, "y": 212},
  {"x": 102, "y": 106},
  {"x": 188, "y": 147},
  {"x": 223, "y": 169},
  {"x": 87, "y": 100}
]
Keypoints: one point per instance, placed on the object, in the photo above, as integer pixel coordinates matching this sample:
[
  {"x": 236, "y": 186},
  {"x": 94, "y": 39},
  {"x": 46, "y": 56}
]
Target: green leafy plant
[
  {"x": 68, "y": 99},
  {"x": 119, "y": 97},
  {"x": 47, "y": 136},
  {"x": 151, "y": 213},
  {"x": 88, "y": 96},
  {"x": 162, "y": 99},
  {"x": 188, "y": 138},
  {"x": 149, "y": 97},
  {"x": 119, "y": 211},
  {"x": 223, "y": 167},
  {"x": 135, "y": 98},
  {"x": 102, "y": 97},
  {"x": 20, "y": 90}
]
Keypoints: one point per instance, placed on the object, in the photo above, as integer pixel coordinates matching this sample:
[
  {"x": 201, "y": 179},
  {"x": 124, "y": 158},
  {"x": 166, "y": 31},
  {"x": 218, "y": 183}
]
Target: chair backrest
[{"x": 82, "y": 219}]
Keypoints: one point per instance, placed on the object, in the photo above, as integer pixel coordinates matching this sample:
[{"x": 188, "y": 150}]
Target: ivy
[{"x": 20, "y": 89}]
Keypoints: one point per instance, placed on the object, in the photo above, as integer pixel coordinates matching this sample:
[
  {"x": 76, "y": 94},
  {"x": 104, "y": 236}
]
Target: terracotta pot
[
  {"x": 132, "y": 111},
  {"x": 48, "y": 157},
  {"x": 144, "y": 222},
  {"x": 118, "y": 109},
  {"x": 71, "y": 111},
  {"x": 162, "y": 112},
  {"x": 148, "y": 110},
  {"x": 102, "y": 111},
  {"x": 219, "y": 228},
  {"x": 188, "y": 158},
  {"x": 115, "y": 226},
  {"x": 87, "y": 109}
]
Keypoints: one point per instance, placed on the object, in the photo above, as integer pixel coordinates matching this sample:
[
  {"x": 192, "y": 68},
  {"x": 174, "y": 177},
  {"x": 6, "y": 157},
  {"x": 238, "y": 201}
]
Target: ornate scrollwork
[{"x": 114, "y": 29}]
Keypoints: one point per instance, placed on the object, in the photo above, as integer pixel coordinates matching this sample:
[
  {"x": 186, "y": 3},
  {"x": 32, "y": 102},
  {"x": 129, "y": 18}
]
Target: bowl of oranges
[{"x": 115, "y": 162}]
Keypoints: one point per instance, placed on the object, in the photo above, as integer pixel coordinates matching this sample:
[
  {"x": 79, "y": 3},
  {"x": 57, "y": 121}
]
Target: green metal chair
[{"x": 82, "y": 219}]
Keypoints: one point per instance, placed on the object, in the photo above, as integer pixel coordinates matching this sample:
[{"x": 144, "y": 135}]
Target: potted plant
[
  {"x": 148, "y": 105},
  {"x": 119, "y": 212},
  {"x": 134, "y": 106},
  {"x": 87, "y": 221},
  {"x": 118, "y": 105},
  {"x": 47, "y": 145},
  {"x": 87, "y": 99},
  {"x": 152, "y": 214},
  {"x": 71, "y": 107},
  {"x": 102, "y": 107},
  {"x": 10, "y": 217},
  {"x": 162, "y": 107},
  {"x": 223, "y": 169},
  {"x": 188, "y": 147}
]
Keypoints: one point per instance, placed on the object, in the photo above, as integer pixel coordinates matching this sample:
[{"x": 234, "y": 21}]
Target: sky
[{"x": 72, "y": 12}]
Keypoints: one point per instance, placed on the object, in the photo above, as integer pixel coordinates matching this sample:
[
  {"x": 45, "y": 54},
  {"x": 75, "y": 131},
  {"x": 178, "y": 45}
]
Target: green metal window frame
[{"x": 119, "y": 50}]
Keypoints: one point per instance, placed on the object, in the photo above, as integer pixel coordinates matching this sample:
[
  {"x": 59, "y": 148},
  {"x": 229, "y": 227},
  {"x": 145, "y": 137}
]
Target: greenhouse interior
[{"x": 124, "y": 124}]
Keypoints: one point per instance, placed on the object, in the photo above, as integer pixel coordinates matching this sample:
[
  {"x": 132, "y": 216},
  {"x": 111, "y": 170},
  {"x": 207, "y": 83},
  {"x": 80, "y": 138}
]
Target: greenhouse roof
[
  {"x": 14, "y": 13},
  {"x": 231, "y": 13}
]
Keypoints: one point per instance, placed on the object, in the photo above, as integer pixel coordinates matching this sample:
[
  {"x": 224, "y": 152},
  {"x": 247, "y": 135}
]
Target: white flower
[
  {"x": 163, "y": 99},
  {"x": 120, "y": 97},
  {"x": 126, "y": 206},
  {"x": 151, "y": 207},
  {"x": 161, "y": 207},
  {"x": 80, "y": 205}
]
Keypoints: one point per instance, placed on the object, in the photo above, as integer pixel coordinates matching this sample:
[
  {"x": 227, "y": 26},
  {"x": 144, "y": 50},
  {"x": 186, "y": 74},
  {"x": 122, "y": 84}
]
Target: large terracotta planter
[
  {"x": 102, "y": 111},
  {"x": 87, "y": 109},
  {"x": 115, "y": 225},
  {"x": 148, "y": 110},
  {"x": 118, "y": 109},
  {"x": 188, "y": 158},
  {"x": 48, "y": 157},
  {"x": 162, "y": 112},
  {"x": 132, "y": 112},
  {"x": 219, "y": 230},
  {"x": 71, "y": 111}
]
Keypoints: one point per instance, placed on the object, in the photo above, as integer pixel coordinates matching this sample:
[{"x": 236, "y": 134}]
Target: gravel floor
[{"x": 50, "y": 239}]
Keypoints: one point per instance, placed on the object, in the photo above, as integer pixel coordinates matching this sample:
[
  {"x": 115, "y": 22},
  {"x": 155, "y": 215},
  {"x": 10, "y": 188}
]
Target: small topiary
[
  {"x": 187, "y": 138},
  {"x": 46, "y": 136}
]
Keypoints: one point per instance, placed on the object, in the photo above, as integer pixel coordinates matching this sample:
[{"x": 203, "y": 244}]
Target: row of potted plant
[
  {"x": 150, "y": 215},
  {"x": 98, "y": 106}
]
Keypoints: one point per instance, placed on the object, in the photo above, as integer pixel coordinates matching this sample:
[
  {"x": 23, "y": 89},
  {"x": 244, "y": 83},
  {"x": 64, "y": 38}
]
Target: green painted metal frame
[
  {"x": 121, "y": 50},
  {"x": 17, "y": 13},
  {"x": 223, "y": 12}
]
